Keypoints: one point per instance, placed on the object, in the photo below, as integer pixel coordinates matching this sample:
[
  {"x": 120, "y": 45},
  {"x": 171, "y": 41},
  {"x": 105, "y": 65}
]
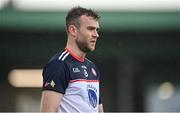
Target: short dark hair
[{"x": 73, "y": 15}]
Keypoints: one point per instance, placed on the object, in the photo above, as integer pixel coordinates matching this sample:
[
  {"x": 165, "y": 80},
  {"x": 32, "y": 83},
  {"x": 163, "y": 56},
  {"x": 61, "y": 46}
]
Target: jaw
[
  {"x": 92, "y": 47},
  {"x": 86, "y": 46}
]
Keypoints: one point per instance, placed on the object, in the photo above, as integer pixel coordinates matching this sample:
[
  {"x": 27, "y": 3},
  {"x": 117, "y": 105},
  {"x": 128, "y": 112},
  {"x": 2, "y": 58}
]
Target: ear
[{"x": 72, "y": 30}]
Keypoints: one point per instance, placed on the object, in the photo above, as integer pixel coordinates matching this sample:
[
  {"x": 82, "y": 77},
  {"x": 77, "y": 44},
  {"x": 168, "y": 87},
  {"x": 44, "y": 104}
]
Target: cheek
[
  {"x": 81, "y": 39},
  {"x": 84, "y": 37}
]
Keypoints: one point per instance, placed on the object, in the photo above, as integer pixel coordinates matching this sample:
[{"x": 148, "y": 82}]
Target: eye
[{"x": 90, "y": 28}]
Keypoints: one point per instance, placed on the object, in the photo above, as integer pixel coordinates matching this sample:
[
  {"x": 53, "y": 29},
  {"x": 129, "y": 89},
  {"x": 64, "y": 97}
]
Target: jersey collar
[{"x": 76, "y": 57}]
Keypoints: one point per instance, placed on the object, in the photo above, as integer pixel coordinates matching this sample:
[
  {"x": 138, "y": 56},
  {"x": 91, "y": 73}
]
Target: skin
[
  {"x": 50, "y": 101},
  {"x": 80, "y": 41}
]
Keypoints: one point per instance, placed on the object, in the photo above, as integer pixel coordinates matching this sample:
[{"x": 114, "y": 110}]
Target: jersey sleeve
[{"x": 55, "y": 77}]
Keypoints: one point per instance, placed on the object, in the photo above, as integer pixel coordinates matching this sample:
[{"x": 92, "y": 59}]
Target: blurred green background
[{"x": 138, "y": 54}]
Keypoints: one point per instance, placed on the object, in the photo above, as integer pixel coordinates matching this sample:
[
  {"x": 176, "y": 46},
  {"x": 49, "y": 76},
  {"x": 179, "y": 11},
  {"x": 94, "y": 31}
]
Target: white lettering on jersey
[{"x": 76, "y": 70}]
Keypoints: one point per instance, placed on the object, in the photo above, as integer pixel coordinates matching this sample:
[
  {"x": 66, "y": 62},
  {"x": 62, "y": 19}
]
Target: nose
[{"x": 95, "y": 34}]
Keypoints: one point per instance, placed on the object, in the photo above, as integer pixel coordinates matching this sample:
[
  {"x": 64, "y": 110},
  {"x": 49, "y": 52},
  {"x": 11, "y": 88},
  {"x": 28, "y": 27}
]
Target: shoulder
[
  {"x": 58, "y": 61},
  {"x": 59, "y": 57},
  {"x": 56, "y": 73},
  {"x": 90, "y": 62}
]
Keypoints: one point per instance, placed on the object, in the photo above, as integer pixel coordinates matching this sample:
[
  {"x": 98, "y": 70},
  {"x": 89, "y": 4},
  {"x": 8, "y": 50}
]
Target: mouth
[
  {"x": 93, "y": 41},
  {"x": 92, "y": 44}
]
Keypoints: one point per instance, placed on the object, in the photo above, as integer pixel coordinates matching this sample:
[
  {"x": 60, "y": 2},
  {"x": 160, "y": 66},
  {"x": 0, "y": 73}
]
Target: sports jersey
[{"x": 77, "y": 79}]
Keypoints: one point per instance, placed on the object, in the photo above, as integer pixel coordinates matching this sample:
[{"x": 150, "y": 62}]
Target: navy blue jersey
[{"x": 77, "y": 79}]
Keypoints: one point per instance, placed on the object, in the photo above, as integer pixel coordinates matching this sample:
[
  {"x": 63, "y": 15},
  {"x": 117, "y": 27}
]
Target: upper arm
[
  {"x": 50, "y": 101},
  {"x": 55, "y": 81}
]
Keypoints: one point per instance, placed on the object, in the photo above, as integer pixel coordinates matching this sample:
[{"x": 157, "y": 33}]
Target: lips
[
  {"x": 92, "y": 44},
  {"x": 93, "y": 41}
]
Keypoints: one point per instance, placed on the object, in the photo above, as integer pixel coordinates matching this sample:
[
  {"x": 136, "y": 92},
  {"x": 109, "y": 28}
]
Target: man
[{"x": 70, "y": 80}]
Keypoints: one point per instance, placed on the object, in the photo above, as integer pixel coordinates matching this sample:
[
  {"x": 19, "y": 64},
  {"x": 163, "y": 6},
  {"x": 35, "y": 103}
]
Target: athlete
[{"x": 70, "y": 80}]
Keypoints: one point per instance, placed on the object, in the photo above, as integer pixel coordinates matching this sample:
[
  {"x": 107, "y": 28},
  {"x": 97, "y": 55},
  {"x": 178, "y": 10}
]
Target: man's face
[{"x": 87, "y": 33}]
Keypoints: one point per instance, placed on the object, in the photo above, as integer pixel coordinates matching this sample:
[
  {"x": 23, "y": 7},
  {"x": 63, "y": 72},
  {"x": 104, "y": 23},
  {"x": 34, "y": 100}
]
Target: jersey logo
[
  {"x": 52, "y": 84},
  {"x": 93, "y": 72},
  {"x": 46, "y": 84},
  {"x": 85, "y": 73},
  {"x": 92, "y": 96},
  {"x": 76, "y": 70},
  {"x": 84, "y": 67}
]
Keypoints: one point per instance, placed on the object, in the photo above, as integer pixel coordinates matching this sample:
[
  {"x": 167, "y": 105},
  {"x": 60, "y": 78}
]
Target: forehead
[{"x": 88, "y": 21}]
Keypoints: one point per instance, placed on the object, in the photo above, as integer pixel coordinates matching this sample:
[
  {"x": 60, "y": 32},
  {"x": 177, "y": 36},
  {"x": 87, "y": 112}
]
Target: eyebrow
[{"x": 91, "y": 27}]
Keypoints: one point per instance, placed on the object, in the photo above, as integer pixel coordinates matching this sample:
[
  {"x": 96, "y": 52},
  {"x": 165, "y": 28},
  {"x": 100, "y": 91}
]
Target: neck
[{"x": 75, "y": 49}]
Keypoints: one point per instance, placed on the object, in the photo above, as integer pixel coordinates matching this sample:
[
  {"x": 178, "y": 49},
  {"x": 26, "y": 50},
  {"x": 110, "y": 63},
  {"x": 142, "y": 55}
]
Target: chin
[
  {"x": 92, "y": 49},
  {"x": 88, "y": 49}
]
